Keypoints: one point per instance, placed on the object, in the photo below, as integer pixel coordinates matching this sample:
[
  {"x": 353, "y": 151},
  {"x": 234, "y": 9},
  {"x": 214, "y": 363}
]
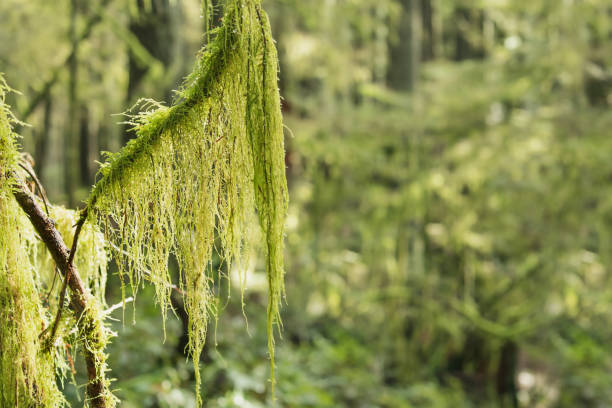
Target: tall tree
[
  {"x": 71, "y": 138},
  {"x": 405, "y": 49},
  {"x": 152, "y": 26}
]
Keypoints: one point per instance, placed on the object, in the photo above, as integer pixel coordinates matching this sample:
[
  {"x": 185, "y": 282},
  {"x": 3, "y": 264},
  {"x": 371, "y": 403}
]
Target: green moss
[
  {"x": 200, "y": 171},
  {"x": 8, "y": 145},
  {"x": 94, "y": 336},
  {"x": 91, "y": 258},
  {"x": 29, "y": 368},
  {"x": 27, "y": 371}
]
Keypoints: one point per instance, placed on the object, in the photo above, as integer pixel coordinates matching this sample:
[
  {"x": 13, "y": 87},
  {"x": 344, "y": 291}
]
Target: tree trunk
[
  {"x": 42, "y": 140},
  {"x": 70, "y": 137},
  {"x": 153, "y": 28},
  {"x": 86, "y": 146},
  {"x": 428, "y": 34},
  {"x": 506, "y": 375},
  {"x": 469, "y": 34},
  {"x": 405, "y": 51}
]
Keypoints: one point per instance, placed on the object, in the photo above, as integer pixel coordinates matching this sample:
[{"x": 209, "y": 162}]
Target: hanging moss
[
  {"x": 31, "y": 359},
  {"x": 27, "y": 371},
  {"x": 8, "y": 145},
  {"x": 190, "y": 184},
  {"x": 91, "y": 259},
  {"x": 199, "y": 171}
]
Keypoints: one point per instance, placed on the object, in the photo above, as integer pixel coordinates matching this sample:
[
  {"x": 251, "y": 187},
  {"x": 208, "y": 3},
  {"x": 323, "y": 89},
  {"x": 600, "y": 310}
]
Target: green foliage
[
  {"x": 440, "y": 225},
  {"x": 91, "y": 259}
]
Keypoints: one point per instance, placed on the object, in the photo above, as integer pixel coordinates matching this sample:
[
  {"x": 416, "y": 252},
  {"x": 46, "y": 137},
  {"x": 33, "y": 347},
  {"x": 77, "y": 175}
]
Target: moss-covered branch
[
  {"x": 213, "y": 63},
  {"x": 82, "y": 302},
  {"x": 198, "y": 173}
]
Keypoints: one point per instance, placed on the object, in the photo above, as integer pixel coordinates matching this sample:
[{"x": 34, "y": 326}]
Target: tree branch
[
  {"x": 80, "y": 297},
  {"x": 77, "y": 232},
  {"x": 43, "y": 194}
]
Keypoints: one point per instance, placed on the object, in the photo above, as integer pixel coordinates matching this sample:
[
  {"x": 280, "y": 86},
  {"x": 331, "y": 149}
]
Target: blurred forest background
[{"x": 449, "y": 241}]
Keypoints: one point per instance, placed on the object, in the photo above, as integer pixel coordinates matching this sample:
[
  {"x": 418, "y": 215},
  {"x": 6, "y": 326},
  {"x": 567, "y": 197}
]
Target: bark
[
  {"x": 469, "y": 34},
  {"x": 506, "y": 375},
  {"x": 428, "y": 34}
]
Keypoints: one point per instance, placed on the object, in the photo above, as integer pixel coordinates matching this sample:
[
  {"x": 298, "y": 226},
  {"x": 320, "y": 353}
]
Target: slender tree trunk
[
  {"x": 428, "y": 34},
  {"x": 86, "y": 144},
  {"x": 506, "y": 375},
  {"x": 153, "y": 28},
  {"x": 70, "y": 137},
  {"x": 469, "y": 34},
  {"x": 42, "y": 140},
  {"x": 405, "y": 55},
  {"x": 405, "y": 51}
]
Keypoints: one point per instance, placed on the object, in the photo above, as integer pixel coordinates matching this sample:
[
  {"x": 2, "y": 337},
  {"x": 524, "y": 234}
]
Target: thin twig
[
  {"x": 43, "y": 194},
  {"x": 146, "y": 271},
  {"x": 60, "y": 308},
  {"x": 77, "y": 232},
  {"x": 52, "y": 283},
  {"x": 71, "y": 255},
  {"x": 117, "y": 306}
]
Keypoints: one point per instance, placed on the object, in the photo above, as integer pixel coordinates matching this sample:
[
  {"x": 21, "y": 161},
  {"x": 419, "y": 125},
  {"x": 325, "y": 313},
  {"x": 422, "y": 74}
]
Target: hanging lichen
[
  {"x": 27, "y": 370},
  {"x": 91, "y": 258},
  {"x": 198, "y": 172}
]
